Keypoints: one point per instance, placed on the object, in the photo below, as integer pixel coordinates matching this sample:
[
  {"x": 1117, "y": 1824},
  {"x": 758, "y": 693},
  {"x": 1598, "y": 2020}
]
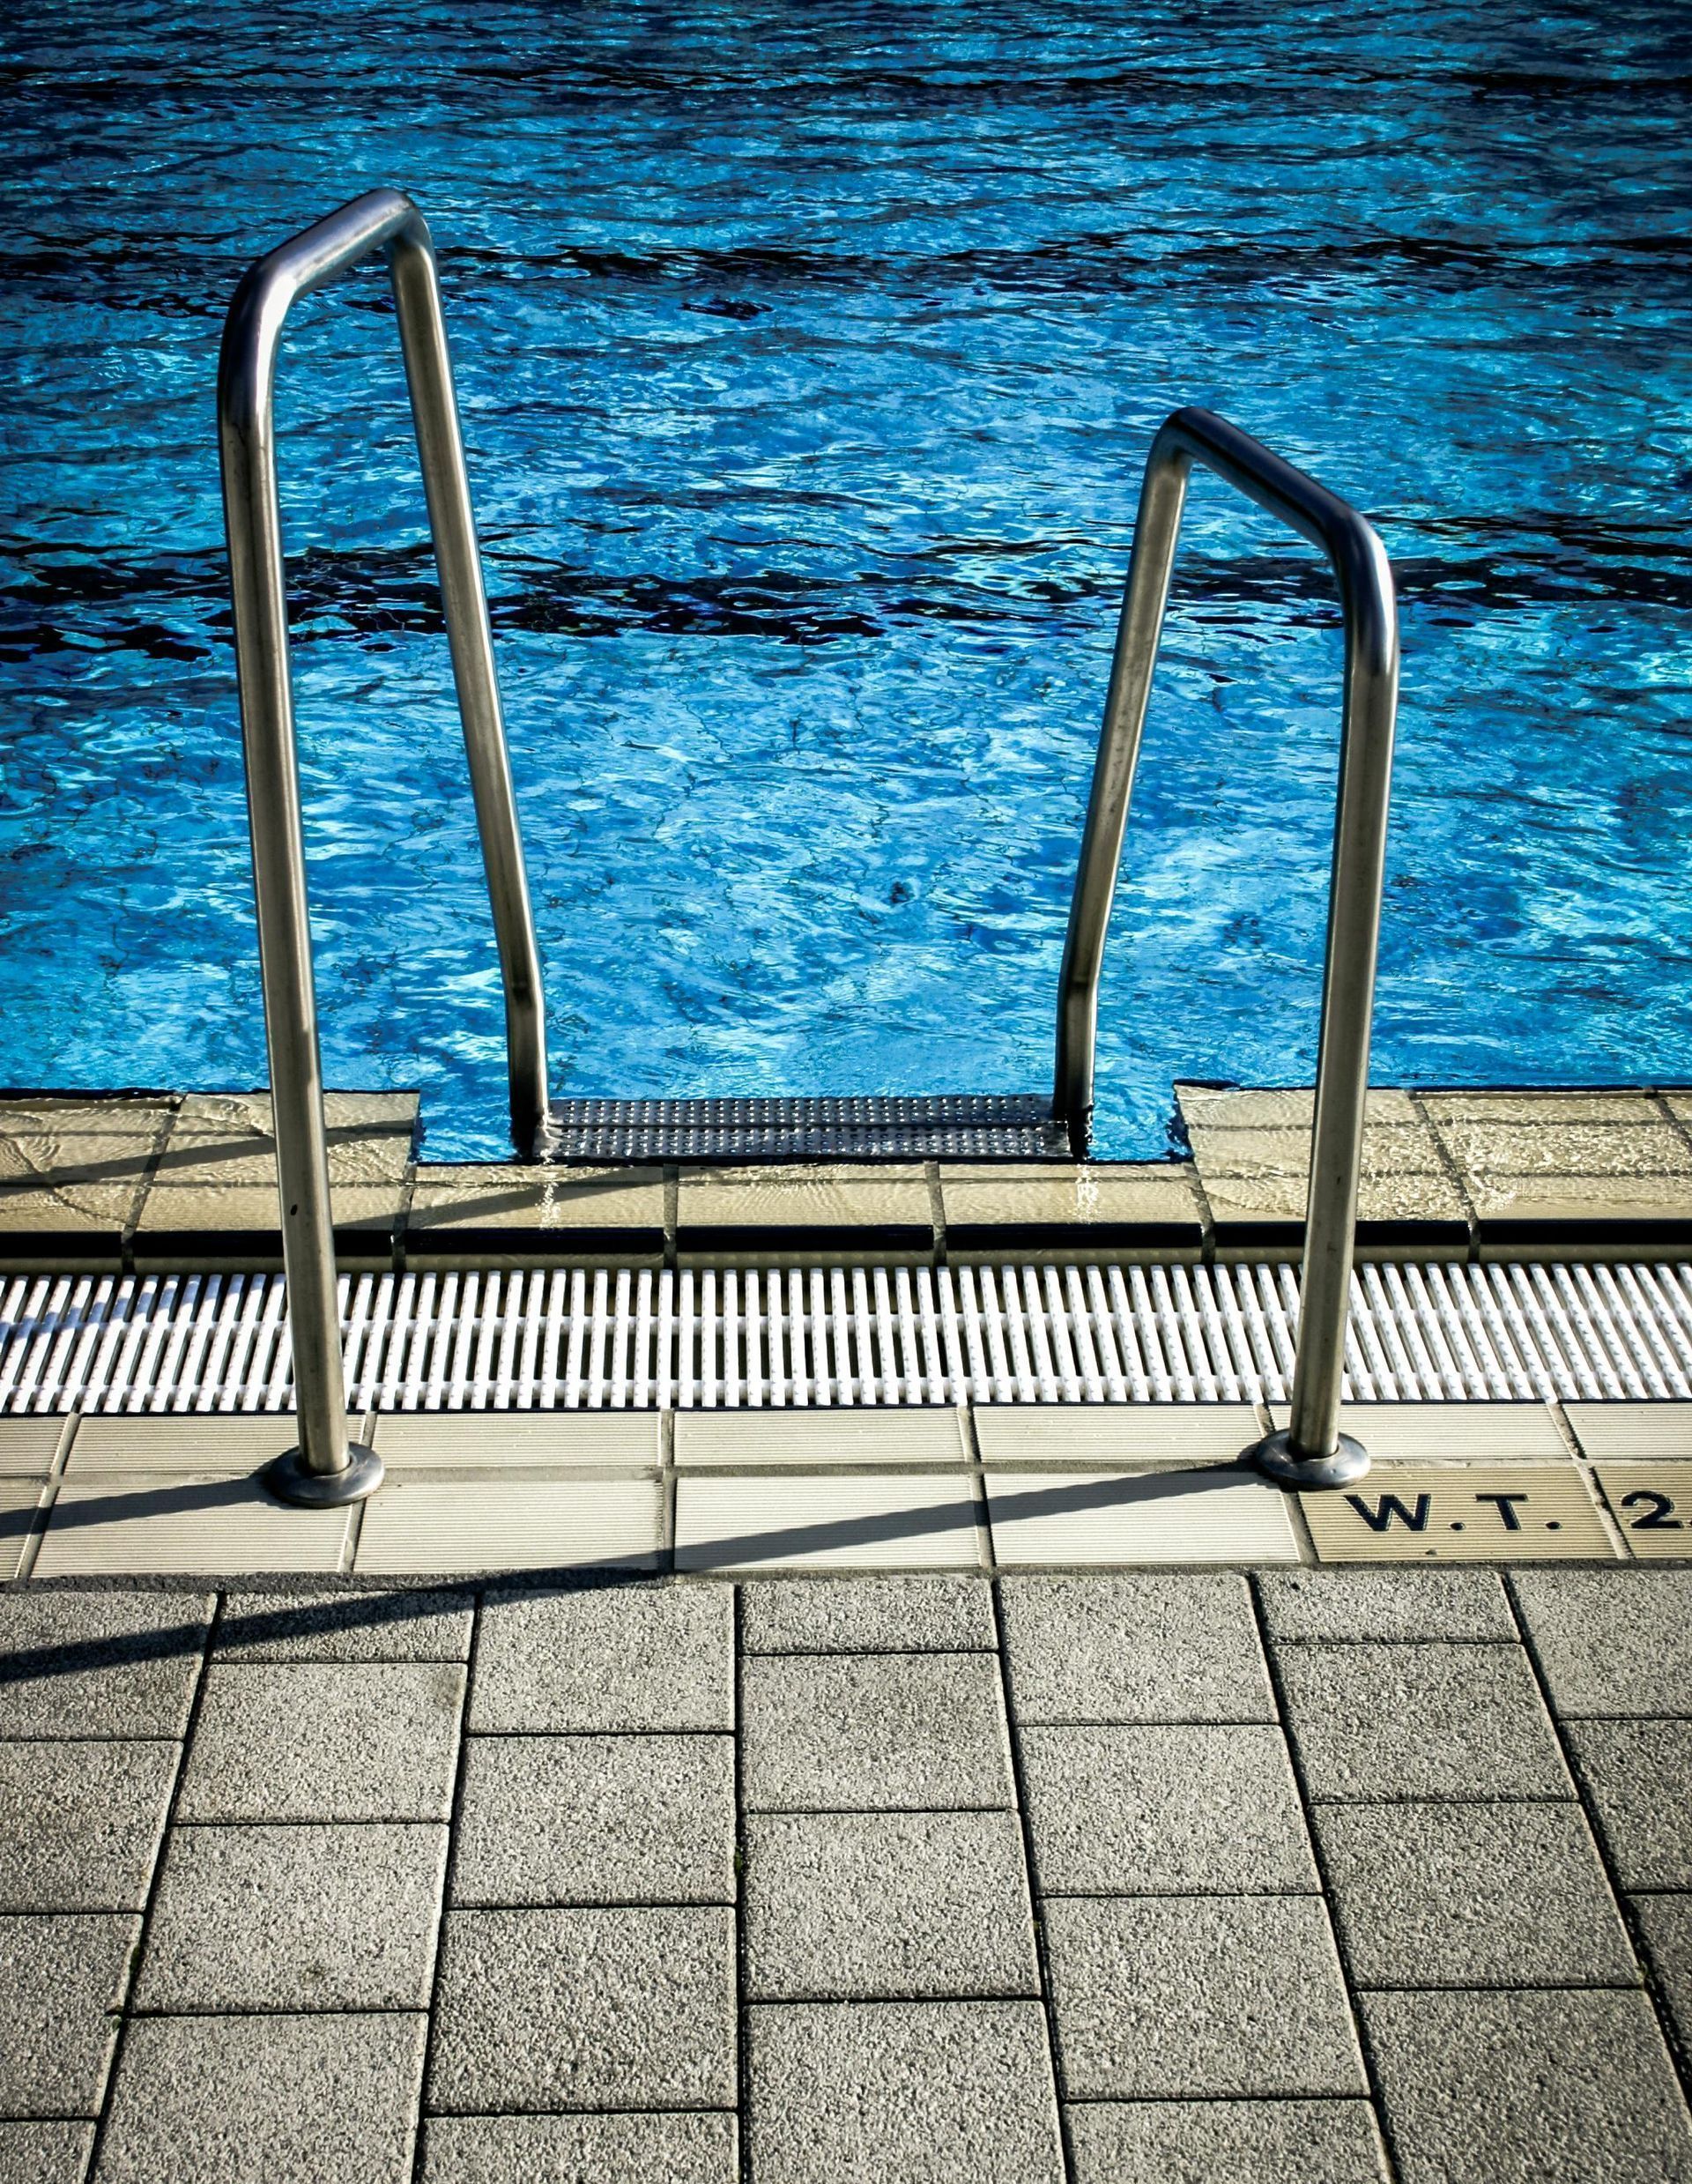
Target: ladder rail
[
  {"x": 384, "y": 220},
  {"x": 1364, "y": 577}
]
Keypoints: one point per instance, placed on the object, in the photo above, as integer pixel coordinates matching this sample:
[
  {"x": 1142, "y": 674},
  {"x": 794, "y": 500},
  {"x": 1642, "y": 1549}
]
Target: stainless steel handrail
[
  {"x": 1311, "y": 1451},
  {"x": 325, "y": 1467}
]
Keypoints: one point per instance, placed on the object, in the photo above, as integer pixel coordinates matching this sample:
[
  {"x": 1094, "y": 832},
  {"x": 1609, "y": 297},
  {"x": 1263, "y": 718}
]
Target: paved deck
[{"x": 1327, "y": 1875}]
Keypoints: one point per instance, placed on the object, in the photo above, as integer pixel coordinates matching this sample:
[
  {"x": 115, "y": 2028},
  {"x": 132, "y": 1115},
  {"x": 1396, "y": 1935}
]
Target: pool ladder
[{"x": 328, "y": 1467}]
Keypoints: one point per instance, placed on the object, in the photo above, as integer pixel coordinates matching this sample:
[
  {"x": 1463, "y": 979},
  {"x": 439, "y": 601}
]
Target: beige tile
[
  {"x": 901, "y": 1521},
  {"x": 187, "y": 1225},
  {"x": 144, "y": 1524},
  {"x": 18, "y": 1501},
  {"x": 1244, "y": 1108},
  {"x": 808, "y": 1440},
  {"x": 499, "y": 1212},
  {"x": 213, "y": 1447},
  {"x": 1678, "y": 1104},
  {"x": 29, "y": 1445},
  {"x": 1500, "y": 1512},
  {"x": 1535, "y": 1109},
  {"x": 520, "y": 1441},
  {"x": 227, "y": 1137},
  {"x": 804, "y": 1209},
  {"x": 1550, "y": 1201},
  {"x": 1495, "y": 1151},
  {"x": 1253, "y": 1204},
  {"x": 1451, "y": 1433},
  {"x": 1389, "y": 1149},
  {"x": 1095, "y": 1205},
  {"x": 1652, "y": 1504},
  {"x": 1138, "y": 1518},
  {"x": 438, "y": 1527},
  {"x": 1115, "y": 1436},
  {"x": 1633, "y": 1432},
  {"x": 77, "y": 1224},
  {"x": 52, "y": 1142}
]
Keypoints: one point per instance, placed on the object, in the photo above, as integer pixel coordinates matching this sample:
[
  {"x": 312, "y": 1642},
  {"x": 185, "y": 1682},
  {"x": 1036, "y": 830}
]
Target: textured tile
[
  {"x": 1526, "y": 1211},
  {"x": 1533, "y": 1111},
  {"x": 222, "y": 1138},
  {"x": 1611, "y": 1642},
  {"x": 1633, "y": 1432},
  {"x": 1664, "y": 1923},
  {"x": 886, "y": 1905},
  {"x": 873, "y": 1732},
  {"x": 868, "y": 1616},
  {"x": 1268, "y": 1209},
  {"x": 323, "y": 1740},
  {"x": 1652, "y": 1502},
  {"x": 350, "y": 1625},
  {"x": 903, "y": 1520},
  {"x": 321, "y": 2099},
  {"x": 294, "y": 1918},
  {"x": 1097, "y": 1207},
  {"x": 45, "y": 2153},
  {"x": 100, "y": 1664},
  {"x": 811, "y": 1440},
  {"x": 1226, "y": 2142},
  {"x": 616, "y": 1657},
  {"x": 186, "y": 1226},
  {"x": 1140, "y": 1436},
  {"x": 1519, "y": 2089},
  {"x": 495, "y": 1212},
  {"x": 1140, "y": 1647},
  {"x": 519, "y": 1440},
  {"x": 80, "y": 1824},
  {"x": 808, "y": 1209},
  {"x": 62, "y": 1983},
  {"x": 29, "y": 1445},
  {"x": 1163, "y": 1997},
  {"x": 561, "y": 2009},
  {"x": 215, "y": 1448},
  {"x": 1471, "y": 1895},
  {"x": 144, "y": 1527},
  {"x": 1386, "y": 1604},
  {"x": 1635, "y": 1775},
  {"x": 73, "y": 1170},
  {"x": 1165, "y": 1811},
  {"x": 1469, "y": 1513},
  {"x": 676, "y": 2149},
  {"x": 1125, "y": 1518},
  {"x": 1551, "y": 1143},
  {"x": 18, "y": 1502},
  {"x": 1423, "y": 1721},
  {"x": 438, "y": 1527},
  {"x": 1451, "y": 1433},
  {"x": 902, "y": 2094},
  {"x": 1280, "y": 1152},
  {"x": 1204, "y": 1106},
  {"x": 596, "y": 1819}
]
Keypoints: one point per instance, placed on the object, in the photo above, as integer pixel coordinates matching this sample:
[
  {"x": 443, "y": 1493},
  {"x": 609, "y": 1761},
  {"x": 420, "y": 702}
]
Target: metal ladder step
[{"x": 968, "y": 1125}]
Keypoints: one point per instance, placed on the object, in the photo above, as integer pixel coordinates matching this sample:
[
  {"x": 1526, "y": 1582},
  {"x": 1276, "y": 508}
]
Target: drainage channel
[{"x": 562, "y": 1338}]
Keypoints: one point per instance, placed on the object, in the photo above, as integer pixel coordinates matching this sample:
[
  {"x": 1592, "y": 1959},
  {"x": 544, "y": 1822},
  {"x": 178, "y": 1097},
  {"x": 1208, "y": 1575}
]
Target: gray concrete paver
[
  {"x": 886, "y": 1905},
  {"x": 1491, "y": 1895},
  {"x": 1611, "y": 1643},
  {"x": 613, "y": 1657},
  {"x": 1665, "y": 1923},
  {"x": 1419, "y": 1721},
  {"x": 326, "y": 2099},
  {"x": 345, "y": 1626},
  {"x": 80, "y": 1824},
  {"x": 956, "y": 2092},
  {"x": 674, "y": 2149},
  {"x": 1141, "y": 1647},
  {"x": 1146, "y": 1811},
  {"x": 1392, "y": 1606},
  {"x": 295, "y": 1918},
  {"x": 874, "y": 1731},
  {"x": 585, "y": 2009},
  {"x": 596, "y": 1819},
  {"x": 75, "y": 1664},
  {"x": 1226, "y": 2142},
  {"x": 868, "y": 1616},
  {"x": 1522, "y": 2088},
  {"x": 1182, "y": 1996},
  {"x": 325, "y": 1741},
  {"x": 62, "y": 1983},
  {"x": 1638, "y": 1780},
  {"x": 45, "y": 2153}
]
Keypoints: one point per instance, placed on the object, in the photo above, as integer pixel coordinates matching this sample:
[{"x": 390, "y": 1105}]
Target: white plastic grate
[{"x": 742, "y": 1339}]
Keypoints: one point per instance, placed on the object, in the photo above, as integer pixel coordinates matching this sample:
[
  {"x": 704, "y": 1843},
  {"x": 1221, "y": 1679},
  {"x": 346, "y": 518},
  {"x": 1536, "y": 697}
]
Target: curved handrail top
[
  {"x": 269, "y": 288},
  {"x": 1351, "y": 542}
]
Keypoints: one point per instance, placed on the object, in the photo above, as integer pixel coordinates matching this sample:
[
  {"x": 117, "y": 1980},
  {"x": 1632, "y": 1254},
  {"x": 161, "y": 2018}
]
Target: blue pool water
[{"x": 808, "y": 359}]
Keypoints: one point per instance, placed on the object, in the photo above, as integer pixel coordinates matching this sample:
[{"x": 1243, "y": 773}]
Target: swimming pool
[{"x": 808, "y": 359}]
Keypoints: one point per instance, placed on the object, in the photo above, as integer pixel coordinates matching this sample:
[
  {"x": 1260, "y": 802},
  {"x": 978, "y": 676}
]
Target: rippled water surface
[{"x": 808, "y": 359}]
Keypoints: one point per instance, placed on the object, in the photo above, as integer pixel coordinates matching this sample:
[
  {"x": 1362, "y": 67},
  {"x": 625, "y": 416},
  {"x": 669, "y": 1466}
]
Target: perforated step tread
[{"x": 969, "y": 1126}]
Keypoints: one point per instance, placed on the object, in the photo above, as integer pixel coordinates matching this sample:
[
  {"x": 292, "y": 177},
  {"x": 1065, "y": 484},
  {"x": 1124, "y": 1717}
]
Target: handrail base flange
[
  {"x": 1275, "y": 1457},
  {"x": 360, "y": 1476}
]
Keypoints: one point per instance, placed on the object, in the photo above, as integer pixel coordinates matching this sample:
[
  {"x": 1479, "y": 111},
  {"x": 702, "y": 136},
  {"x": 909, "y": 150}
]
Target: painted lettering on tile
[
  {"x": 1460, "y": 1512},
  {"x": 1652, "y": 1504}
]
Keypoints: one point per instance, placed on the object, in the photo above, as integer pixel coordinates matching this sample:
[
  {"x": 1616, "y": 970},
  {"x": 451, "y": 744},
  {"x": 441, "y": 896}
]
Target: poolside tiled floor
[{"x": 1338, "y": 1876}]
